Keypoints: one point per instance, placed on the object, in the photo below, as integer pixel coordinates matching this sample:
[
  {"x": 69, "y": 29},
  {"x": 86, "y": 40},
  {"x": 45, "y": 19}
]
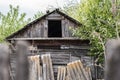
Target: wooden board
[
  {"x": 76, "y": 71},
  {"x": 47, "y": 67},
  {"x": 61, "y": 73},
  {"x": 35, "y": 70}
]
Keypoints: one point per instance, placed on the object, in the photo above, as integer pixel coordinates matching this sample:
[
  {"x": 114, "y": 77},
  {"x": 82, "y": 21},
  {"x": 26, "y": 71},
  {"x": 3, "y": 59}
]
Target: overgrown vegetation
[
  {"x": 101, "y": 22},
  {"x": 13, "y": 21}
]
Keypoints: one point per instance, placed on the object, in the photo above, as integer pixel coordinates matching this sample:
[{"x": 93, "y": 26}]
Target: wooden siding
[
  {"x": 59, "y": 57},
  {"x": 37, "y": 34},
  {"x": 40, "y": 28}
]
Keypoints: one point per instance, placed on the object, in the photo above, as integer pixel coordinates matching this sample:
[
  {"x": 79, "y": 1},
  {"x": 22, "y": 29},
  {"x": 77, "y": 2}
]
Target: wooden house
[{"x": 51, "y": 34}]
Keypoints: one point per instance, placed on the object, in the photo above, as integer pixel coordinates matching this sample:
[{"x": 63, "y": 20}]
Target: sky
[{"x": 30, "y": 7}]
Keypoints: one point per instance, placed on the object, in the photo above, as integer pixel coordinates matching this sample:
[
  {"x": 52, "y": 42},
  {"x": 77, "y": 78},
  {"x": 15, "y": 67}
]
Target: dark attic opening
[{"x": 54, "y": 28}]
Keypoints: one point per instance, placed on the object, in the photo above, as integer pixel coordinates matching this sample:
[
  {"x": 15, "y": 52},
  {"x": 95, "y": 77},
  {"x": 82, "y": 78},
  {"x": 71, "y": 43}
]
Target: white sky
[{"x": 31, "y": 6}]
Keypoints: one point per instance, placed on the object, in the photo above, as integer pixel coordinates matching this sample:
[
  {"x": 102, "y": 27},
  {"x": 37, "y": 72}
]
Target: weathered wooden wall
[
  {"x": 75, "y": 49},
  {"x": 60, "y": 57},
  {"x": 40, "y": 28}
]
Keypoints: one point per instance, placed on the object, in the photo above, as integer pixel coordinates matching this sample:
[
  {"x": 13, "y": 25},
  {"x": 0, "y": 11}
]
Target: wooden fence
[
  {"x": 22, "y": 62},
  {"x": 38, "y": 67},
  {"x": 73, "y": 70},
  {"x": 41, "y": 68}
]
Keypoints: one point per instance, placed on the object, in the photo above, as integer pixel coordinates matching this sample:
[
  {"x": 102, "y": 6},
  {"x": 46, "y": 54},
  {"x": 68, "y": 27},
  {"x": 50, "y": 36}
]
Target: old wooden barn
[{"x": 52, "y": 34}]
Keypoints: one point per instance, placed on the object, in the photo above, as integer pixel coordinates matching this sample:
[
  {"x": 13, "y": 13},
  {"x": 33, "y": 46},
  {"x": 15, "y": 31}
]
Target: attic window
[{"x": 54, "y": 28}]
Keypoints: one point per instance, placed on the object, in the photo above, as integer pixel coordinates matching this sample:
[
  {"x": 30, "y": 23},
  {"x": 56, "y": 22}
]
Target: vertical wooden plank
[
  {"x": 64, "y": 73},
  {"x": 48, "y": 73},
  {"x": 76, "y": 71},
  {"x": 39, "y": 27},
  {"x": 22, "y": 69},
  {"x": 41, "y": 73},
  {"x": 67, "y": 25},
  {"x": 61, "y": 73},
  {"x": 35, "y": 68},
  {"x": 31, "y": 35},
  {"x": 32, "y": 71},
  {"x": 58, "y": 75},
  {"x": 45, "y": 28},
  {"x": 112, "y": 59},
  {"x": 44, "y": 67},
  {"x": 63, "y": 28},
  {"x": 71, "y": 72},
  {"x": 42, "y": 29},
  {"x": 82, "y": 69},
  {"x": 44, "y": 72},
  {"x": 32, "y": 31},
  {"x": 68, "y": 73},
  {"x": 47, "y": 67},
  {"x": 51, "y": 67},
  {"x": 39, "y": 68},
  {"x": 4, "y": 62}
]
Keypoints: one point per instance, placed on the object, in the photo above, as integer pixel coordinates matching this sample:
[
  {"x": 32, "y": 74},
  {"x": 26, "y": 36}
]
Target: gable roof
[{"x": 42, "y": 17}]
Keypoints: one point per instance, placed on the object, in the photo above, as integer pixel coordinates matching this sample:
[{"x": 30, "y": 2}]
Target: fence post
[
  {"x": 112, "y": 60},
  {"x": 4, "y": 62},
  {"x": 22, "y": 69}
]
